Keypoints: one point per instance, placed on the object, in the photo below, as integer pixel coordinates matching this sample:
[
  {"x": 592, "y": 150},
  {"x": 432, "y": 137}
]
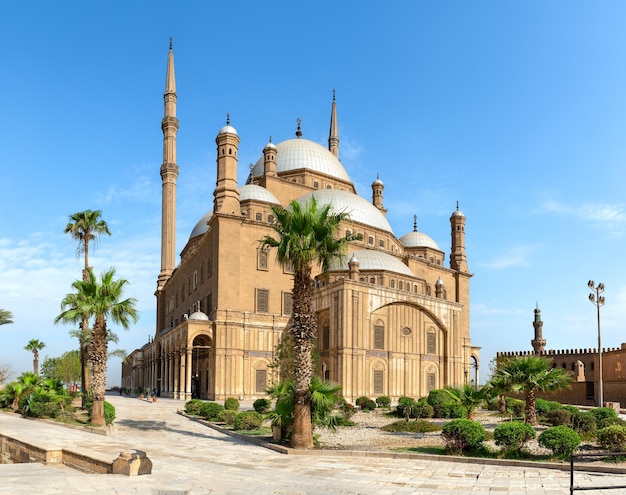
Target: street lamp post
[{"x": 598, "y": 301}]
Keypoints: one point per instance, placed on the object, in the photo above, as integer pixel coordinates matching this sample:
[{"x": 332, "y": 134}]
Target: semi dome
[
  {"x": 296, "y": 154},
  {"x": 359, "y": 209},
  {"x": 256, "y": 193},
  {"x": 372, "y": 260},
  {"x": 202, "y": 226},
  {"x": 418, "y": 240}
]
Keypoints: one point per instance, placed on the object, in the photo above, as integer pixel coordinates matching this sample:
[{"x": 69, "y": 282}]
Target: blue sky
[{"x": 515, "y": 109}]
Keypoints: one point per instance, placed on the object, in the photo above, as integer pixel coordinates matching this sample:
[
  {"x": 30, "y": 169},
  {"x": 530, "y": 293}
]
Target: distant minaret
[
  {"x": 458, "y": 259},
  {"x": 377, "y": 194},
  {"x": 538, "y": 343},
  {"x": 226, "y": 194},
  {"x": 169, "y": 174},
  {"x": 333, "y": 136}
]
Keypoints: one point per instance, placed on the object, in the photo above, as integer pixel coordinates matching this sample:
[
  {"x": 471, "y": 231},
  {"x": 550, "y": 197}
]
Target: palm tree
[
  {"x": 529, "y": 375},
  {"x": 5, "y": 317},
  {"x": 35, "y": 346},
  {"x": 469, "y": 397},
  {"x": 306, "y": 235},
  {"x": 499, "y": 386},
  {"x": 84, "y": 227},
  {"x": 101, "y": 300}
]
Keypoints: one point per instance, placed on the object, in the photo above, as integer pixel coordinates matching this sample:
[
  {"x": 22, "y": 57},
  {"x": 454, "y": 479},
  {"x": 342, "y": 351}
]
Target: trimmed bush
[
  {"x": 561, "y": 440},
  {"x": 558, "y": 417},
  {"x": 368, "y": 405},
  {"x": 603, "y": 423},
  {"x": 612, "y": 438},
  {"x": 584, "y": 423},
  {"x": 542, "y": 407},
  {"x": 512, "y": 435},
  {"x": 211, "y": 411},
  {"x": 601, "y": 413},
  {"x": 228, "y": 417},
  {"x": 193, "y": 407},
  {"x": 383, "y": 401},
  {"x": 515, "y": 407},
  {"x": 462, "y": 434},
  {"x": 109, "y": 412},
  {"x": 348, "y": 410},
  {"x": 262, "y": 405},
  {"x": 360, "y": 400},
  {"x": 422, "y": 409},
  {"x": 420, "y": 426},
  {"x": 248, "y": 420},
  {"x": 42, "y": 406},
  {"x": 231, "y": 404},
  {"x": 444, "y": 405}
]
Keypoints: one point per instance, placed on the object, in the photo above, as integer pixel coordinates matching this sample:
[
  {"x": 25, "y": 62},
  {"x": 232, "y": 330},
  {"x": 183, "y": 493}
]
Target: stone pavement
[{"x": 192, "y": 459}]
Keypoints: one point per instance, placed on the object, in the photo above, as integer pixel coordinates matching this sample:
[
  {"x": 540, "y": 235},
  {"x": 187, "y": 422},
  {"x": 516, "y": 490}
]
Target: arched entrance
[{"x": 201, "y": 377}]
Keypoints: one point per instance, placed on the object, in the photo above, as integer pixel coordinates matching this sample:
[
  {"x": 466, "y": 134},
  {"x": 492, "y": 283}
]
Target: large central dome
[{"x": 296, "y": 154}]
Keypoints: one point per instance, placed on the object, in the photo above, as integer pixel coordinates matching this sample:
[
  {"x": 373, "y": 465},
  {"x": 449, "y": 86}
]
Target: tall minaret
[
  {"x": 333, "y": 136},
  {"x": 538, "y": 343},
  {"x": 169, "y": 174},
  {"x": 226, "y": 194},
  {"x": 458, "y": 259}
]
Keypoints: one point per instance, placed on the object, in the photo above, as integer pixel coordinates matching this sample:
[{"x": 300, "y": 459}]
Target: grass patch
[
  {"x": 419, "y": 426},
  {"x": 264, "y": 430},
  {"x": 426, "y": 449}
]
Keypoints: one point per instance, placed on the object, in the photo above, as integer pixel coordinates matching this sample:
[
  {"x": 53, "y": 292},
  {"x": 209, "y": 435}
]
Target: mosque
[{"x": 393, "y": 319}]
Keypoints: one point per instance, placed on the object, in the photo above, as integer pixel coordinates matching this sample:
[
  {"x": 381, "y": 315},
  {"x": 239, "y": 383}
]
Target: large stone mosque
[{"x": 393, "y": 319}]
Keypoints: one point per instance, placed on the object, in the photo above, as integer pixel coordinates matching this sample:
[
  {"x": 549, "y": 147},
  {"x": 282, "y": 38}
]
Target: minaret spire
[
  {"x": 169, "y": 174},
  {"x": 538, "y": 343},
  {"x": 333, "y": 137}
]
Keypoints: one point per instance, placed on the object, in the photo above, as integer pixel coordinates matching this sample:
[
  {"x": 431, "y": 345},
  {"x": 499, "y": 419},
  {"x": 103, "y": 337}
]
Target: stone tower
[
  {"x": 458, "y": 259},
  {"x": 226, "y": 193},
  {"x": 377, "y": 194},
  {"x": 169, "y": 174},
  {"x": 538, "y": 343}
]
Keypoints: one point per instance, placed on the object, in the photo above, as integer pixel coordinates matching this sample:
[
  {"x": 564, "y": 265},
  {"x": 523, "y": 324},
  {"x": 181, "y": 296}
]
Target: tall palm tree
[
  {"x": 5, "y": 317},
  {"x": 84, "y": 227},
  {"x": 101, "y": 300},
  {"x": 35, "y": 345},
  {"x": 529, "y": 375},
  {"x": 306, "y": 236}
]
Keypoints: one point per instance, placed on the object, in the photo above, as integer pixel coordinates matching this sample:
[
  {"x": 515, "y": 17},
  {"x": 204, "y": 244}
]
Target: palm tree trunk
[
  {"x": 98, "y": 358},
  {"x": 303, "y": 330},
  {"x": 85, "y": 381},
  {"x": 502, "y": 401},
  {"x": 531, "y": 411}
]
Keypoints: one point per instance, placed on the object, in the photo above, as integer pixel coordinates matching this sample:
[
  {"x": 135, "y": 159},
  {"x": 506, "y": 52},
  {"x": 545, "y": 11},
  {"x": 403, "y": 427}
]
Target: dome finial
[
  {"x": 457, "y": 205},
  {"x": 171, "y": 43},
  {"x": 334, "y": 95},
  {"x": 270, "y": 139},
  {"x": 299, "y": 131},
  {"x": 227, "y": 119},
  {"x": 414, "y": 223}
]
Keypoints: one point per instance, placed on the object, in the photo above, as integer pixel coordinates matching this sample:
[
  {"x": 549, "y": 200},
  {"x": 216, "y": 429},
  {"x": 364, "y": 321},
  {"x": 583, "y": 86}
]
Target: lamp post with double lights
[{"x": 598, "y": 301}]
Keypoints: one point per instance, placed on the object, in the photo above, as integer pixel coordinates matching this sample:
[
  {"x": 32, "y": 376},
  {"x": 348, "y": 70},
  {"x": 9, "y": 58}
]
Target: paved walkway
[{"x": 192, "y": 459}]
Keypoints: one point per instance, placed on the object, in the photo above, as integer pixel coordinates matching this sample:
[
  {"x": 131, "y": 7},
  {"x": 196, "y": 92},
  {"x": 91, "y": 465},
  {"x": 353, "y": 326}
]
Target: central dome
[{"x": 296, "y": 154}]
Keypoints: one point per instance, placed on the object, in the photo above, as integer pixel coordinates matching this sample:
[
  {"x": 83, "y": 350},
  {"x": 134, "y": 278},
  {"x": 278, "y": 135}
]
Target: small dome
[
  {"x": 360, "y": 210},
  {"x": 418, "y": 240},
  {"x": 202, "y": 226},
  {"x": 256, "y": 193},
  {"x": 198, "y": 315},
  {"x": 439, "y": 282},
  {"x": 353, "y": 259},
  {"x": 296, "y": 154},
  {"x": 458, "y": 213},
  {"x": 373, "y": 260},
  {"x": 228, "y": 129},
  {"x": 269, "y": 146},
  {"x": 378, "y": 182}
]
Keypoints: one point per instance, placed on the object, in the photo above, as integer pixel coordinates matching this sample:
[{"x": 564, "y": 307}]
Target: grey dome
[
  {"x": 359, "y": 209},
  {"x": 198, "y": 315},
  {"x": 373, "y": 260},
  {"x": 228, "y": 129},
  {"x": 202, "y": 226},
  {"x": 295, "y": 154},
  {"x": 418, "y": 239},
  {"x": 256, "y": 193}
]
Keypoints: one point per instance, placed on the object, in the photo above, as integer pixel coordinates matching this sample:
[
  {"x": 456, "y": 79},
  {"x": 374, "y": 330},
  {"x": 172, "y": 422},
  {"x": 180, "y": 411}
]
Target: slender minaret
[
  {"x": 269, "y": 159},
  {"x": 458, "y": 259},
  {"x": 226, "y": 194},
  {"x": 377, "y": 194},
  {"x": 333, "y": 136},
  {"x": 169, "y": 174},
  {"x": 538, "y": 343}
]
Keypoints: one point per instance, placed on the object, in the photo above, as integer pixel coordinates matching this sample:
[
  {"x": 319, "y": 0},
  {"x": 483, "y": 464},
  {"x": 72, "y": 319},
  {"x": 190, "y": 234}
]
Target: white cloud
[{"x": 518, "y": 256}]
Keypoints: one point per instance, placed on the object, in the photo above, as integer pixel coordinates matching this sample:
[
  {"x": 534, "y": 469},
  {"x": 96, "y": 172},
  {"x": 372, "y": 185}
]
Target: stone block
[{"x": 132, "y": 463}]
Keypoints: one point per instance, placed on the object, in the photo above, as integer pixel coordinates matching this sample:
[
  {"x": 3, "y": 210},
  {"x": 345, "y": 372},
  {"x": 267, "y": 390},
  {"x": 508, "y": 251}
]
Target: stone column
[
  {"x": 176, "y": 374},
  {"x": 188, "y": 377}
]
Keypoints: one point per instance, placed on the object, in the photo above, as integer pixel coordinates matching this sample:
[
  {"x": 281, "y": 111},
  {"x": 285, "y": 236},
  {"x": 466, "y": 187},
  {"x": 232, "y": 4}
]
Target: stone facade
[{"x": 392, "y": 318}]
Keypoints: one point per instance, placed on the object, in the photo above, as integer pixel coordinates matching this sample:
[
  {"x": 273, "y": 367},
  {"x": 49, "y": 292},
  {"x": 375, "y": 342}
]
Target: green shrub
[
  {"x": 444, "y": 405},
  {"x": 248, "y": 420},
  {"x": 211, "y": 411},
  {"x": 383, "y": 401},
  {"x": 193, "y": 407},
  {"x": 572, "y": 409},
  {"x": 558, "y": 417},
  {"x": 348, "y": 410},
  {"x": 601, "y": 413},
  {"x": 542, "y": 407},
  {"x": 462, "y": 434},
  {"x": 603, "y": 423},
  {"x": 561, "y": 440},
  {"x": 403, "y": 409},
  {"x": 261, "y": 405},
  {"x": 42, "y": 406},
  {"x": 512, "y": 435},
  {"x": 231, "y": 404},
  {"x": 109, "y": 412},
  {"x": 360, "y": 400},
  {"x": 368, "y": 405},
  {"x": 612, "y": 438},
  {"x": 420, "y": 426},
  {"x": 422, "y": 409},
  {"x": 405, "y": 400},
  {"x": 228, "y": 417},
  {"x": 584, "y": 423},
  {"x": 515, "y": 407}
]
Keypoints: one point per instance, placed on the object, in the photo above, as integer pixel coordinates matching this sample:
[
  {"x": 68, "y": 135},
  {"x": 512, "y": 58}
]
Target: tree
[
  {"x": 469, "y": 397},
  {"x": 101, "y": 300},
  {"x": 529, "y": 375},
  {"x": 66, "y": 368},
  {"x": 306, "y": 236},
  {"x": 6, "y": 372},
  {"x": 84, "y": 227},
  {"x": 35, "y": 346},
  {"x": 499, "y": 386},
  {"x": 5, "y": 317}
]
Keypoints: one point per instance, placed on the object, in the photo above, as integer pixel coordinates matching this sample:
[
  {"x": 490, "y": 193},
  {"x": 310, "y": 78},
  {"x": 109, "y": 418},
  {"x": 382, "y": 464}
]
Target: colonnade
[{"x": 169, "y": 373}]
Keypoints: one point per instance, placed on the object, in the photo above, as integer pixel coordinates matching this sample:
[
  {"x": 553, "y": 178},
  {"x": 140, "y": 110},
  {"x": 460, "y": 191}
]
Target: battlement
[{"x": 559, "y": 352}]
